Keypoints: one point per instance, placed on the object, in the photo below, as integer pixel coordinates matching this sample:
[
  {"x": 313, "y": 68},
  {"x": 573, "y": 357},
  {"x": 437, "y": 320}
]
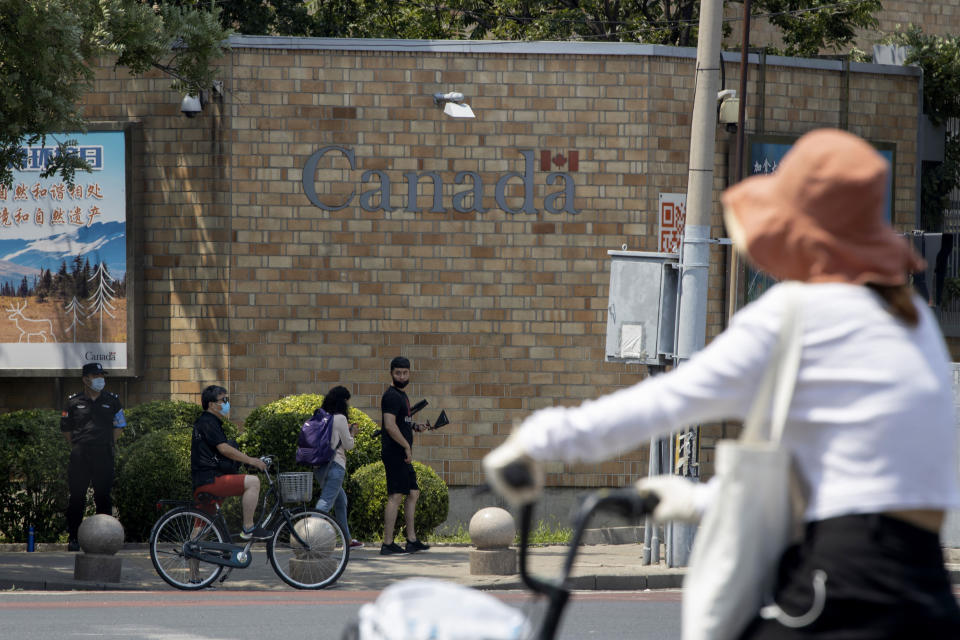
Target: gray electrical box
[{"x": 642, "y": 308}]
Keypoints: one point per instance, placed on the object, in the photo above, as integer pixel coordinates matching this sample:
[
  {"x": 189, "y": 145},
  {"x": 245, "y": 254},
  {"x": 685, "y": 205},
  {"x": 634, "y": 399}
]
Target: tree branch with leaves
[{"x": 46, "y": 49}]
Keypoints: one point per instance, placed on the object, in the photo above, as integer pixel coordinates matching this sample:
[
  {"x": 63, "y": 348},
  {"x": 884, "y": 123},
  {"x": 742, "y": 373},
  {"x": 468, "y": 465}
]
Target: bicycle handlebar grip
[{"x": 518, "y": 475}]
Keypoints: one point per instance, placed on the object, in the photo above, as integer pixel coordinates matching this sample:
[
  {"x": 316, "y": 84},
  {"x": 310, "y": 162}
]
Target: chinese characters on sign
[
  {"x": 63, "y": 260},
  {"x": 75, "y": 211},
  {"x": 673, "y": 215}
]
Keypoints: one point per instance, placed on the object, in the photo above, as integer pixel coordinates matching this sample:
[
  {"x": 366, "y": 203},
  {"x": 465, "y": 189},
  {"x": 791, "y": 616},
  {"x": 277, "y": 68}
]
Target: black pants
[
  {"x": 885, "y": 580},
  {"x": 88, "y": 463}
]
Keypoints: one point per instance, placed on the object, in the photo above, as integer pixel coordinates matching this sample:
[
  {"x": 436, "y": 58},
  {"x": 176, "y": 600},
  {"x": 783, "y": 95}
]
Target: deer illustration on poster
[{"x": 30, "y": 327}]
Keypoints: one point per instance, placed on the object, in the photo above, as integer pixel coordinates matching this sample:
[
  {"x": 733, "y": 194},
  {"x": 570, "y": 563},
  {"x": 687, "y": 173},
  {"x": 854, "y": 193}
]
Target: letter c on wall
[{"x": 310, "y": 172}]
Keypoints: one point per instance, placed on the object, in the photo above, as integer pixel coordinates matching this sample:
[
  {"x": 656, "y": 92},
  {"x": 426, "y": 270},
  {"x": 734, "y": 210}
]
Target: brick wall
[{"x": 249, "y": 284}]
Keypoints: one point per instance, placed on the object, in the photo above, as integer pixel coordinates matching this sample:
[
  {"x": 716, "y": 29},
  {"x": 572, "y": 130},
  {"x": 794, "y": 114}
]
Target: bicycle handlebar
[{"x": 628, "y": 502}]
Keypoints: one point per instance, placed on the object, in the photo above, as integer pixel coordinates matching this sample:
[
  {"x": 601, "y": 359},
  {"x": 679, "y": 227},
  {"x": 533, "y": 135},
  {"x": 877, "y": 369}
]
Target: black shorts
[
  {"x": 885, "y": 580},
  {"x": 401, "y": 477}
]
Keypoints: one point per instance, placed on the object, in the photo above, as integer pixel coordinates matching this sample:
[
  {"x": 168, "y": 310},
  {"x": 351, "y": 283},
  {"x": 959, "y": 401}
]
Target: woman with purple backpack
[{"x": 330, "y": 474}]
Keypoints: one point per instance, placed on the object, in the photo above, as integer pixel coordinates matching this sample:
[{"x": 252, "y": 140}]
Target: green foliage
[
  {"x": 370, "y": 497},
  {"x": 543, "y": 533},
  {"x": 274, "y": 428},
  {"x": 939, "y": 57},
  {"x": 366, "y": 447},
  {"x": 809, "y": 27},
  {"x": 33, "y": 486},
  {"x": 45, "y": 53},
  {"x": 160, "y": 415},
  {"x": 155, "y": 466}
]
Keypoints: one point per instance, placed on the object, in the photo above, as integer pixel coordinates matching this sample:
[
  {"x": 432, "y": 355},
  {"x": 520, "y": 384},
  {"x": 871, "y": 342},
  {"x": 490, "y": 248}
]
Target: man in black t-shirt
[
  {"x": 91, "y": 421},
  {"x": 396, "y": 440},
  {"x": 209, "y": 469}
]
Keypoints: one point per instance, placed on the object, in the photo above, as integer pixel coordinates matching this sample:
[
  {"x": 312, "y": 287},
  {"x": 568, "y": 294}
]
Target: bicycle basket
[{"x": 296, "y": 486}]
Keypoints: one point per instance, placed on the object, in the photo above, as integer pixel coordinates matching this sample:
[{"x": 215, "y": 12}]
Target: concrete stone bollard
[
  {"x": 100, "y": 537},
  {"x": 492, "y": 531}
]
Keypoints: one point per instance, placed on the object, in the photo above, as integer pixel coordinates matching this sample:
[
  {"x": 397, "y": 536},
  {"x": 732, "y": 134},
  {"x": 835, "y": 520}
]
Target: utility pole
[{"x": 695, "y": 252}]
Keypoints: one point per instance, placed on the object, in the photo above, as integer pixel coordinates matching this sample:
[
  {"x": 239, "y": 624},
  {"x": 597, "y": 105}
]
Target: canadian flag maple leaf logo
[{"x": 569, "y": 162}]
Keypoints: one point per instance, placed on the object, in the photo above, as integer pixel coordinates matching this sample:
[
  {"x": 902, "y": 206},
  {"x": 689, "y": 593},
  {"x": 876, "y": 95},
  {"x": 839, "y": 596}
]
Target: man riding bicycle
[{"x": 214, "y": 461}]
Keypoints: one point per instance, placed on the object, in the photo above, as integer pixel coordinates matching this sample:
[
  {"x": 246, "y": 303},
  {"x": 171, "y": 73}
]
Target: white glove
[
  {"x": 513, "y": 474},
  {"x": 680, "y": 499}
]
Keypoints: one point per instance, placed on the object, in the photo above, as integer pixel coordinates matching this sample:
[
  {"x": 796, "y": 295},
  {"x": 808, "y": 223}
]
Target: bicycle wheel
[
  {"x": 171, "y": 532},
  {"x": 315, "y": 557}
]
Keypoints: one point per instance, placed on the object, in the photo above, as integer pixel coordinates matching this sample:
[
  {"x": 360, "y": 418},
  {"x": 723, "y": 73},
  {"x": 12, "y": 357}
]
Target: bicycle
[
  {"x": 628, "y": 503},
  {"x": 191, "y": 545}
]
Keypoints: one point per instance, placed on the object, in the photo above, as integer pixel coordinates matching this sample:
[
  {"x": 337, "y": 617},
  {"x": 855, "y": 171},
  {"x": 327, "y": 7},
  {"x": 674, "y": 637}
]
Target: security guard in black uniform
[{"x": 92, "y": 421}]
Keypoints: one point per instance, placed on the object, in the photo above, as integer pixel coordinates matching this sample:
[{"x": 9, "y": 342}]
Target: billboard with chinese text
[
  {"x": 63, "y": 260},
  {"x": 763, "y": 156}
]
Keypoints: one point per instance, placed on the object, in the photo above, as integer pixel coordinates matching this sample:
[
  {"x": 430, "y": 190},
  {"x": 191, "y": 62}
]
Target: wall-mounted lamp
[{"x": 453, "y": 104}]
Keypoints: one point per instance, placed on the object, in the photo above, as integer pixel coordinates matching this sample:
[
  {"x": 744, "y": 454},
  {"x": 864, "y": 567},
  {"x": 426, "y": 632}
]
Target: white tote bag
[{"x": 747, "y": 527}]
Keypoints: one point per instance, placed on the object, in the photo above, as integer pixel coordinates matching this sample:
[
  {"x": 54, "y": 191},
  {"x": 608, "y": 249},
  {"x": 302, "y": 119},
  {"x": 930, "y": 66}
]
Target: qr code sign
[{"x": 673, "y": 215}]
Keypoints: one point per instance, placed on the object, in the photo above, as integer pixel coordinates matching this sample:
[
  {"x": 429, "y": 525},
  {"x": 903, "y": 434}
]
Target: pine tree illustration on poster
[
  {"x": 103, "y": 295},
  {"x": 74, "y": 312}
]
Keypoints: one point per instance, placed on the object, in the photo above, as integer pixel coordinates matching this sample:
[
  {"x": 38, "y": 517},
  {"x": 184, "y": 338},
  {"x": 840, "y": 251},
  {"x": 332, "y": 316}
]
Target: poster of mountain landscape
[{"x": 63, "y": 259}]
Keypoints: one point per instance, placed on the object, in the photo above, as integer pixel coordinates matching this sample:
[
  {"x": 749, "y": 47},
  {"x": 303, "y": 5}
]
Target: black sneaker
[
  {"x": 392, "y": 549},
  {"x": 257, "y": 533},
  {"x": 416, "y": 545},
  {"x": 73, "y": 545}
]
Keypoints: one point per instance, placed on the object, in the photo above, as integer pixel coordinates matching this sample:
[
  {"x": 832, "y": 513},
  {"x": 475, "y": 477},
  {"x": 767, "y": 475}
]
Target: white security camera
[
  {"x": 726, "y": 93},
  {"x": 191, "y": 106}
]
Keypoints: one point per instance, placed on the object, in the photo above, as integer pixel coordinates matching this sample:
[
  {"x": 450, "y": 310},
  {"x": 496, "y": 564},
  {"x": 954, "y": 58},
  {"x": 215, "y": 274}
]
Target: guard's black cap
[
  {"x": 399, "y": 363},
  {"x": 92, "y": 368}
]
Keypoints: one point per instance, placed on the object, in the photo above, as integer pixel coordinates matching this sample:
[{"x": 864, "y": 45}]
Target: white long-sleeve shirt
[{"x": 871, "y": 424}]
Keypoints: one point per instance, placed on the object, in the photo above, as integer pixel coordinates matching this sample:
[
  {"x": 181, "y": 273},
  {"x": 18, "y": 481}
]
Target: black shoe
[
  {"x": 257, "y": 533},
  {"x": 73, "y": 545},
  {"x": 392, "y": 549},
  {"x": 415, "y": 545}
]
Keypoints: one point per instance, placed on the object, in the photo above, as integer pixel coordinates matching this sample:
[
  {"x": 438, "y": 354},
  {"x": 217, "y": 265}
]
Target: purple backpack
[{"x": 313, "y": 445}]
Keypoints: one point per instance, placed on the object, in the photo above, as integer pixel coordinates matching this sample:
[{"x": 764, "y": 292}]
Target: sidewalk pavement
[{"x": 598, "y": 567}]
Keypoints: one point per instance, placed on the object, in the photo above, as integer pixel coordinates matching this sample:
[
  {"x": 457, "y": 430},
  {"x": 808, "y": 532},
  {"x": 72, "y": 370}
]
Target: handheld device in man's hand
[
  {"x": 441, "y": 420},
  {"x": 417, "y": 407}
]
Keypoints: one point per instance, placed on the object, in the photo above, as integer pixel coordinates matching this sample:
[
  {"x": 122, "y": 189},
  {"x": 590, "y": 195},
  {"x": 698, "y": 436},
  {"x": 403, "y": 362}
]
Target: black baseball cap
[
  {"x": 399, "y": 363},
  {"x": 92, "y": 368}
]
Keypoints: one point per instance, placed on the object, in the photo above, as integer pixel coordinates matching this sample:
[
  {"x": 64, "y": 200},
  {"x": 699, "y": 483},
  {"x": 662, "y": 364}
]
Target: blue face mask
[
  {"x": 225, "y": 408},
  {"x": 97, "y": 384}
]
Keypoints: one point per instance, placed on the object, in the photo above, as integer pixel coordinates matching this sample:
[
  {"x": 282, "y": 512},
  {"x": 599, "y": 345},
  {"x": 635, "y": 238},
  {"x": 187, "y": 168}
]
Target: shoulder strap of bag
[{"x": 780, "y": 376}]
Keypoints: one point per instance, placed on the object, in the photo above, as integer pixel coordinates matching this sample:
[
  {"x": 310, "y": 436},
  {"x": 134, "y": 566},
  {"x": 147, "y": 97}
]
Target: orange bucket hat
[{"x": 819, "y": 217}]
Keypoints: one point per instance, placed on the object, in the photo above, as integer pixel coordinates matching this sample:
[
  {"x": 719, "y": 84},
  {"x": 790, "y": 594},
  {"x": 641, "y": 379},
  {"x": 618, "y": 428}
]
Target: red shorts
[{"x": 223, "y": 486}]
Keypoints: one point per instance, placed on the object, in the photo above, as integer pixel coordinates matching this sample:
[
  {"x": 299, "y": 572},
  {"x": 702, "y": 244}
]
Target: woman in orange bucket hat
[{"x": 871, "y": 424}]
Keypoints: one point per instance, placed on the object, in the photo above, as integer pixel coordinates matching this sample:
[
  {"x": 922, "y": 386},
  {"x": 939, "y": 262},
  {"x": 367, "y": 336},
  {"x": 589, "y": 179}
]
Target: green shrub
[
  {"x": 164, "y": 415},
  {"x": 156, "y": 465},
  {"x": 369, "y": 488},
  {"x": 274, "y": 428},
  {"x": 158, "y": 415},
  {"x": 33, "y": 484}
]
